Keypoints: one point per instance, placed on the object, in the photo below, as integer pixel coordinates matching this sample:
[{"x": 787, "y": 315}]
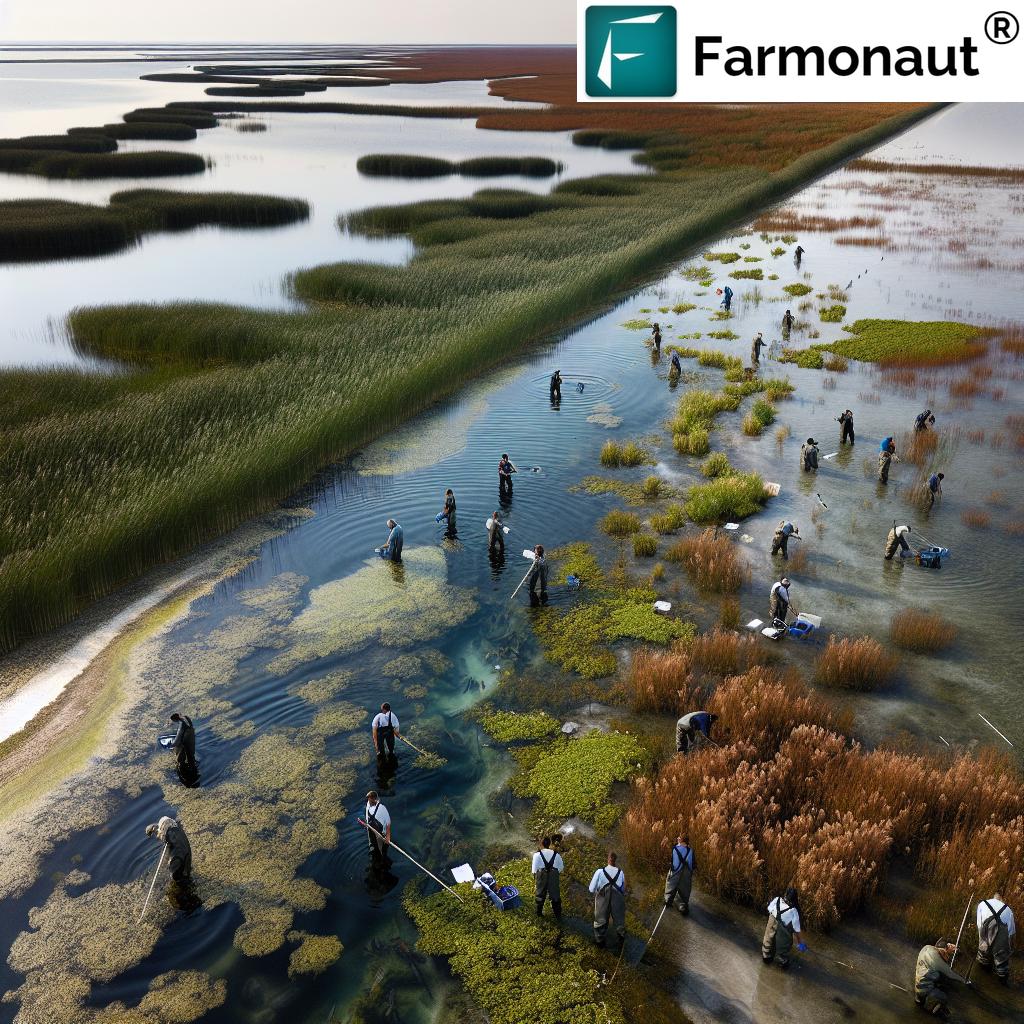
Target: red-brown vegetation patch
[
  {"x": 855, "y": 664},
  {"x": 921, "y": 631}
]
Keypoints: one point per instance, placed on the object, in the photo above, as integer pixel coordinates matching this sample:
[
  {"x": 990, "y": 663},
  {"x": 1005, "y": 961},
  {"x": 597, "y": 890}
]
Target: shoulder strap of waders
[
  {"x": 548, "y": 864},
  {"x": 612, "y": 881},
  {"x": 992, "y": 910}
]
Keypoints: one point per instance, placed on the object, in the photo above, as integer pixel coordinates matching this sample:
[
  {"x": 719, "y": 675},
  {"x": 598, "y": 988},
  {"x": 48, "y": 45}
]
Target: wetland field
[{"x": 259, "y": 302}]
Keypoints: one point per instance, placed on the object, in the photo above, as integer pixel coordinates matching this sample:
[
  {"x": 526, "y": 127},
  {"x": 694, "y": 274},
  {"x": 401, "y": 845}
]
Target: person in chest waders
[
  {"x": 539, "y": 574},
  {"x": 755, "y": 350},
  {"x": 496, "y": 534},
  {"x": 184, "y": 747},
  {"x": 656, "y": 337},
  {"x": 385, "y": 729},
  {"x": 783, "y": 924},
  {"x": 178, "y": 848},
  {"x": 378, "y": 835},
  {"x": 845, "y": 421},
  {"x": 996, "y": 932},
  {"x": 609, "y": 888},
  {"x": 886, "y": 453},
  {"x": 547, "y": 871},
  {"x": 679, "y": 879},
  {"x": 932, "y": 967},
  {"x": 556, "y": 386}
]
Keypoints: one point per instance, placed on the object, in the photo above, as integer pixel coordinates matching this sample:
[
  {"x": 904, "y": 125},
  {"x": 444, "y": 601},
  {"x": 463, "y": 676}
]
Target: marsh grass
[
  {"x": 84, "y": 140},
  {"x": 855, "y": 664},
  {"x": 620, "y": 523},
  {"x": 711, "y": 562},
  {"x": 615, "y": 455},
  {"x": 148, "y": 164},
  {"x": 913, "y": 629},
  {"x": 976, "y": 518},
  {"x": 168, "y": 131},
  {"x": 671, "y": 519},
  {"x": 716, "y": 465},
  {"x": 644, "y": 545},
  {"x": 398, "y": 165},
  {"x": 727, "y": 498}
]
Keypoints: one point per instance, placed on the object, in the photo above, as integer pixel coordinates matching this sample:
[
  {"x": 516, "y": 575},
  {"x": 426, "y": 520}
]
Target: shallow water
[
  {"x": 244, "y": 654},
  {"x": 311, "y": 157}
]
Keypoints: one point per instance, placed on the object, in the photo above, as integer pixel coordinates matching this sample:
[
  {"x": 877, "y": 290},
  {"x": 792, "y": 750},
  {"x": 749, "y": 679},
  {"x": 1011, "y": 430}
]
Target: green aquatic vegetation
[
  {"x": 752, "y": 259},
  {"x": 637, "y": 620},
  {"x": 744, "y": 245},
  {"x": 314, "y": 954},
  {"x": 798, "y": 289},
  {"x": 513, "y": 726},
  {"x": 716, "y": 465},
  {"x": 405, "y": 666},
  {"x": 778, "y": 251},
  {"x": 763, "y": 412},
  {"x": 722, "y": 314},
  {"x": 723, "y": 335},
  {"x": 615, "y": 455},
  {"x": 577, "y": 560},
  {"x": 146, "y": 164},
  {"x": 787, "y": 239},
  {"x": 683, "y": 307},
  {"x": 728, "y": 498},
  {"x": 632, "y": 493},
  {"x": 400, "y": 165},
  {"x": 324, "y": 688},
  {"x": 180, "y": 996},
  {"x": 517, "y": 968},
  {"x": 574, "y": 777},
  {"x": 722, "y": 257},
  {"x": 695, "y": 336},
  {"x": 754, "y": 274},
  {"x": 575, "y": 640},
  {"x": 805, "y": 358},
  {"x": 644, "y": 545},
  {"x": 701, "y": 273},
  {"x": 637, "y": 325},
  {"x": 833, "y": 314},
  {"x": 341, "y": 716},
  {"x": 413, "y": 603},
  {"x": 694, "y": 442},
  {"x": 778, "y": 388},
  {"x": 719, "y": 360},
  {"x": 668, "y": 521},
  {"x": 914, "y": 342},
  {"x": 700, "y": 408},
  {"x": 771, "y": 277},
  {"x": 619, "y": 523}
]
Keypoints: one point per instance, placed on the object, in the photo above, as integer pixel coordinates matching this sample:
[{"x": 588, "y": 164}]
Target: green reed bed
[
  {"x": 181, "y": 115},
  {"x": 41, "y": 229},
  {"x": 401, "y": 165},
  {"x": 151, "y": 164},
  {"x": 84, "y": 140},
  {"x": 165, "y": 131},
  {"x": 253, "y": 402}
]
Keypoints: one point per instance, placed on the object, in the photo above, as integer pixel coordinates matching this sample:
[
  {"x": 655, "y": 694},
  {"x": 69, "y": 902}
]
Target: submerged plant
[{"x": 514, "y": 726}]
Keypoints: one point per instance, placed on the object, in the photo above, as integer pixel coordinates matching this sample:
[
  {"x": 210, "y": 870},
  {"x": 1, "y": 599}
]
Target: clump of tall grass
[
  {"x": 167, "y": 131},
  {"x": 921, "y": 631},
  {"x": 727, "y": 498},
  {"x": 977, "y": 518},
  {"x": 615, "y": 455},
  {"x": 805, "y": 358},
  {"x": 836, "y": 364},
  {"x": 644, "y": 545},
  {"x": 652, "y": 487},
  {"x": 761, "y": 415},
  {"x": 249, "y": 125},
  {"x": 720, "y": 360},
  {"x": 672, "y": 519},
  {"x": 696, "y": 442},
  {"x": 861, "y": 664},
  {"x": 661, "y": 680},
  {"x": 182, "y": 115},
  {"x": 833, "y": 314},
  {"x": 715, "y": 465},
  {"x": 148, "y": 164},
  {"x": 620, "y": 523},
  {"x": 710, "y": 561}
]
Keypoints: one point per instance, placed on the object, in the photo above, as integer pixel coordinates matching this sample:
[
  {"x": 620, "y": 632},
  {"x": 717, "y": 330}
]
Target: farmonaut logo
[{"x": 630, "y": 51}]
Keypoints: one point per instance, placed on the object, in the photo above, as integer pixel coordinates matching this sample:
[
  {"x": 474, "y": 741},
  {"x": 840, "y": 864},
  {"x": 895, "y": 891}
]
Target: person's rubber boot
[
  {"x": 684, "y": 909},
  {"x": 599, "y": 942},
  {"x": 1004, "y": 979},
  {"x": 767, "y": 960}
]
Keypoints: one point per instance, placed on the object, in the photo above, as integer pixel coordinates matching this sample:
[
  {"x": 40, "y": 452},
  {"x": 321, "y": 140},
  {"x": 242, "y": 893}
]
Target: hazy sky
[{"x": 284, "y": 21}]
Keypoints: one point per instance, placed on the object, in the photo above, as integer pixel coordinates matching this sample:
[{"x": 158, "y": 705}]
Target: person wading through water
[
  {"x": 496, "y": 534},
  {"x": 846, "y": 424},
  {"x": 787, "y": 324},
  {"x": 184, "y": 747},
  {"x": 547, "y": 871},
  {"x": 932, "y": 967},
  {"x": 679, "y": 880},
  {"x": 783, "y": 925},
  {"x": 505, "y": 471},
  {"x": 179, "y": 850},
  {"x": 935, "y": 487},
  {"x": 656, "y": 337},
  {"x": 778, "y": 600},
  {"x": 783, "y": 532},
  {"x": 378, "y": 835},
  {"x": 809, "y": 456},
  {"x": 886, "y": 453},
  {"x": 396, "y": 540},
  {"x": 996, "y": 931},
  {"x": 755, "y": 350},
  {"x": 539, "y": 574},
  {"x": 448, "y": 513},
  {"x": 897, "y": 539},
  {"x": 609, "y": 888},
  {"x": 555, "y": 387},
  {"x": 385, "y": 729}
]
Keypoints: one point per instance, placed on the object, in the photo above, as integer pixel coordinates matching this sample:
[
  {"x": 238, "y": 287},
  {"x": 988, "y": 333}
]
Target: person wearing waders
[
  {"x": 755, "y": 350},
  {"x": 184, "y": 747},
  {"x": 555, "y": 387},
  {"x": 547, "y": 870},
  {"x": 778, "y": 600},
  {"x": 886, "y": 453},
  {"x": 609, "y": 888},
  {"x": 690, "y": 725},
  {"x": 396, "y": 539},
  {"x": 846, "y": 424},
  {"x": 676, "y": 368},
  {"x": 496, "y": 534},
  {"x": 727, "y": 298},
  {"x": 923, "y": 419},
  {"x": 656, "y": 337},
  {"x": 996, "y": 931},
  {"x": 178, "y": 849},
  {"x": 385, "y": 729},
  {"x": 897, "y": 539},
  {"x": 932, "y": 968},
  {"x": 787, "y": 323},
  {"x": 378, "y": 835},
  {"x": 505, "y": 471},
  {"x": 448, "y": 512},
  {"x": 809, "y": 456},
  {"x": 798, "y": 254},
  {"x": 538, "y": 575},
  {"x": 679, "y": 880},
  {"x": 935, "y": 487},
  {"x": 780, "y": 540},
  {"x": 783, "y": 925}
]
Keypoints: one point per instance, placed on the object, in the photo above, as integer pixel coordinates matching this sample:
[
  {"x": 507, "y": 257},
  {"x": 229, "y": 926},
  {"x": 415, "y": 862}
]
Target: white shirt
[
  {"x": 783, "y": 592},
  {"x": 380, "y": 721},
  {"x": 902, "y": 531},
  {"x": 1006, "y": 916},
  {"x": 788, "y": 916},
  {"x": 538, "y": 861},
  {"x": 383, "y": 818},
  {"x": 600, "y": 879}
]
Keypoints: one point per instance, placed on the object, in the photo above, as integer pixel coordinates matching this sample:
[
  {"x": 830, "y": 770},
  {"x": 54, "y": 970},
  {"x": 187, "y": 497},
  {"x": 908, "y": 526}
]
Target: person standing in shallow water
[
  {"x": 783, "y": 532},
  {"x": 656, "y": 337},
  {"x": 385, "y": 729},
  {"x": 184, "y": 747},
  {"x": 846, "y": 425},
  {"x": 787, "y": 324},
  {"x": 177, "y": 847},
  {"x": 496, "y": 535},
  {"x": 996, "y": 932},
  {"x": 555, "y": 386},
  {"x": 679, "y": 880},
  {"x": 809, "y": 456},
  {"x": 538, "y": 575},
  {"x": 448, "y": 512},
  {"x": 378, "y": 835},
  {"x": 547, "y": 870},
  {"x": 755, "y": 350},
  {"x": 935, "y": 487},
  {"x": 396, "y": 540},
  {"x": 783, "y": 926},
  {"x": 609, "y": 888},
  {"x": 505, "y": 471}
]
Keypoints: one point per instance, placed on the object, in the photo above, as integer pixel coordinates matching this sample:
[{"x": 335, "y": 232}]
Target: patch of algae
[
  {"x": 323, "y": 688},
  {"x": 405, "y": 666},
  {"x": 314, "y": 954},
  {"x": 279, "y": 597},
  {"x": 393, "y": 605},
  {"x": 176, "y": 996}
]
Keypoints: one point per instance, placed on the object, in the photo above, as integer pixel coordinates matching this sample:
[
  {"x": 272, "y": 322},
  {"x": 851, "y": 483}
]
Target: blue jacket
[{"x": 682, "y": 854}]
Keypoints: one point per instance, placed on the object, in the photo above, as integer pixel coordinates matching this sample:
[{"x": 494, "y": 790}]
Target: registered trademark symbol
[{"x": 1002, "y": 27}]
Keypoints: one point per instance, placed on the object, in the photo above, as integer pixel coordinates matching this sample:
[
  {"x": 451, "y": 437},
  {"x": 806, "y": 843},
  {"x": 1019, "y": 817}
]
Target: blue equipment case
[{"x": 505, "y": 897}]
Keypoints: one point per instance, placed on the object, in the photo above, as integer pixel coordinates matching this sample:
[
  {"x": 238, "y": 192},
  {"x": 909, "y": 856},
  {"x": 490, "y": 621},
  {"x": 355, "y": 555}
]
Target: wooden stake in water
[
  {"x": 395, "y": 846},
  {"x": 156, "y": 875}
]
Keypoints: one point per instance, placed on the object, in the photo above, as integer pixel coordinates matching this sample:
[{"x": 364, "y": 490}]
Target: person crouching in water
[
  {"x": 886, "y": 453},
  {"x": 396, "y": 539},
  {"x": 932, "y": 967},
  {"x": 783, "y": 925},
  {"x": 176, "y": 846},
  {"x": 897, "y": 539},
  {"x": 691, "y": 725},
  {"x": 539, "y": 575},
  {"x": 783, "y": 532}
]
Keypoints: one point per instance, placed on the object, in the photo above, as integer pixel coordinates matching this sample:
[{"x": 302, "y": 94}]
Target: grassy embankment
[
  {"x": 45, "y": 229},
  {"x": 105, "y": 479}
]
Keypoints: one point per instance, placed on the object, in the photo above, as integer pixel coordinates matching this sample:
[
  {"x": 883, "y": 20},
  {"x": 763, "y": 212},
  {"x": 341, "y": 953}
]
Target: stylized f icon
[{"x": 604, "y": 70}]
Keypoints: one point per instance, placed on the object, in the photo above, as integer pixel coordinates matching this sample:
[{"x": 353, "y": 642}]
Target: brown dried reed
[
  {"x": 710, "y": 561},
  {"x": 921, "y": 631},
  {"x": 861, "y": 664}
]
